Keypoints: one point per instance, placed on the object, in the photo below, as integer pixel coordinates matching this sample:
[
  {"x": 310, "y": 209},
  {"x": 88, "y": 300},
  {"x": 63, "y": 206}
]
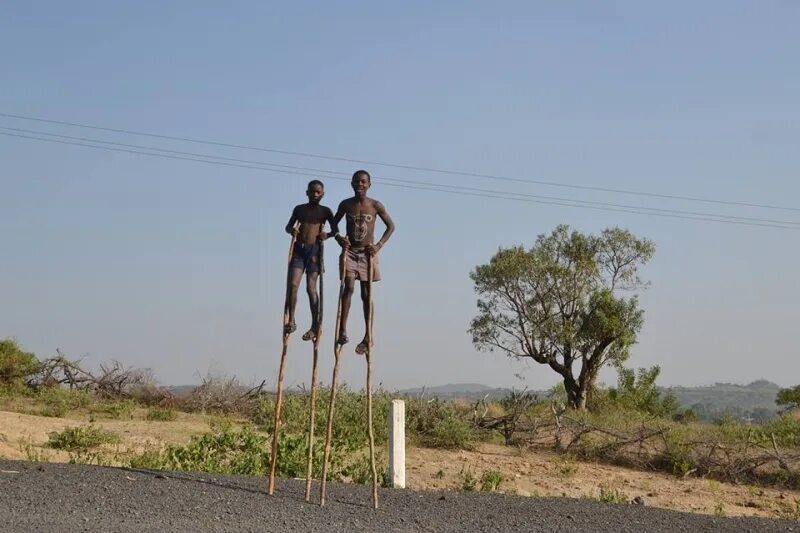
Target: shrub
[
  {"x": 789, "y": 398},
  {"x": 490, "y": 480},
  {"x": 609, "y": 495},
  {"x": 637, "y": 390},
  {"x": 565, "y": 466},
  {"x": 80, "y": 438},
  {"x": 434, "y": 424},
  {"x": 350, "y": 428},
  {"x": 439, "y": 424},
  {"x": 161, "y": 414},
  {"x": 786, "y": 429},
  {"x": 15, "y": 364},
  {"x": 360, "y": 470},
  {"x": 120, "y": 410},
  {"x": 241, "y": 451},
  {"x": 59, "y": 401},
  {"x": 16, "y": 388},
  {"x": 469, "y": 481}
]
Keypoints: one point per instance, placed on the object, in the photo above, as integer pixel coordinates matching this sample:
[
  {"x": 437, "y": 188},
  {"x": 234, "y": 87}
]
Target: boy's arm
[
  {"x": 290, "y": 229},
  {"x": 340, "y": 212},
  {"x": 332, "y": 223},
  {"x": 387, "y": 220}
]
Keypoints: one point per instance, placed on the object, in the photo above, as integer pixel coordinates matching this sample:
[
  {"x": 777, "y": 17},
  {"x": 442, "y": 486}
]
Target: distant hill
[
  {"x": 752, "y": 402},
  {"x": 450, "y": 388},
  {"x": 181, "y": 390},
  {"x": 463, "y": 391}
]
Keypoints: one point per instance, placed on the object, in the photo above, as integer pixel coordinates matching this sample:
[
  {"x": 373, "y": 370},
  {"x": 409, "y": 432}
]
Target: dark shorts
[
  {"x": 357, "y": 265},
  {"x": 306, "y": 257}
]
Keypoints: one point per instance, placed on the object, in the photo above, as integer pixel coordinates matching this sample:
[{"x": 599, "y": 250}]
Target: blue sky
[{"x": 179, "y": 266}]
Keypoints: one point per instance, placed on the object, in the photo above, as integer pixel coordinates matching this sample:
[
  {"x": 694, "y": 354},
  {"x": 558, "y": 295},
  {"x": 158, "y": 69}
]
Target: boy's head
[
  {"x": 315, "y": 191},
  {"x": 361, "y": 182}
]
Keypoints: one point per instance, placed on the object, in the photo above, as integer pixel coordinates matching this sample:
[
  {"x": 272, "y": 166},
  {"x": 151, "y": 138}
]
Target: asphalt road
[{"x": 59, "y": 497}]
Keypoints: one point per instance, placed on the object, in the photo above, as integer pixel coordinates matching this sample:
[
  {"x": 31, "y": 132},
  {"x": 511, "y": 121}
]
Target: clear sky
[{"x": 180, "y": 265}]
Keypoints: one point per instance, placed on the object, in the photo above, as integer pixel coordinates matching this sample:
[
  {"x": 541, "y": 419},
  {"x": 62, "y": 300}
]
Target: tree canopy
[
  {"x": 15, "y": 363},
  {"x": 562, "y": 303},
  {"x": 789, "y": 398}
]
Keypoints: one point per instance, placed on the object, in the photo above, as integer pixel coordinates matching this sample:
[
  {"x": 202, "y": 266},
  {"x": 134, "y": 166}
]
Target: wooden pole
[
  {"x": 312, "y": 411},
  {"x": 337, "y": 350},
  {"x": 281, "y": 374},
  {"x": 369, "y": 388}
]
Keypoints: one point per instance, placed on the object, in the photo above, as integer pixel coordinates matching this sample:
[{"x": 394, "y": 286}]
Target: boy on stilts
[
  {"x": 357, "y": 262},
  {"x": 306, "y": 255},
  {"x": 306, "y": 226},
  {"x": 359, "y": 246}
]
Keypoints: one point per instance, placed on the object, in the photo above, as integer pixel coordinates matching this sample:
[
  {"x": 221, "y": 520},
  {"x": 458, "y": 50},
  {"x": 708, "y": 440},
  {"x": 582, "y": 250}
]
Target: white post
[{"x": 397, "y": 444}]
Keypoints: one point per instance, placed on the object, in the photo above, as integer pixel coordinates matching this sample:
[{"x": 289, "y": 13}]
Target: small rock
[{"x": 638, "y": 500}]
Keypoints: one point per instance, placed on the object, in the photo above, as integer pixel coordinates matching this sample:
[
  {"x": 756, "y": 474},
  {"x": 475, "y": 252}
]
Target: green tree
[
  {"x": 15, "y": 364},
  {"x": 560, "y": 303},
  {"x": 637, "y": 389},
  {"x": 789, "y": 398}
]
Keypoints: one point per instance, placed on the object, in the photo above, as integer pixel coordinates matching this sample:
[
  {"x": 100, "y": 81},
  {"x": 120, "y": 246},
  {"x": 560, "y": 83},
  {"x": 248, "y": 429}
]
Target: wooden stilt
[
  {"x": 281, "y": 375},
  {"x": 331, "y": 405},
  {"x": 369, "y": 388}
]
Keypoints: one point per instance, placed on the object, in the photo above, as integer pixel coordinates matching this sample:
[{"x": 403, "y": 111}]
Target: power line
[
  {"x": 405, "y": 166},
  {"x": 328, "y": 172},
  {"x": 502, "y": 196}
]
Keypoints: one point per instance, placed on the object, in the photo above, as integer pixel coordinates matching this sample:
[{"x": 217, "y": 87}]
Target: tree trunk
[
  {"x": 577, "y": 393},
  {"x": 573, "y": 392},
  {"x": 583, "y": 394}
]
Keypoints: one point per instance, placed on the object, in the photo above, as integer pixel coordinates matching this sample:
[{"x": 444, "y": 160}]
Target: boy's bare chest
[
  {"x": 311, "y": 215},
  {"x": 359, "y": 211}
]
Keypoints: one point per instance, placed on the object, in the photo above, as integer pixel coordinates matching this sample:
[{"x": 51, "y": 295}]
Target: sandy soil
[
  {"x": 24, "y": 436},
  {"x": 542, "y": 473}
]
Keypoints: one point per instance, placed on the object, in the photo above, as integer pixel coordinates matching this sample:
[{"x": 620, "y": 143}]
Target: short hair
[
  {"x": 315, "y": 182},
  {"x": 364, "y": 172}
]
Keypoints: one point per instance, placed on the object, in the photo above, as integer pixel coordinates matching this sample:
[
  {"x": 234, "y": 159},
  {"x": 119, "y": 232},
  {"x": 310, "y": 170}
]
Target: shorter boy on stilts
[
  {"x": 306, "y": 226},
  {"x": 306, "y": 256}
]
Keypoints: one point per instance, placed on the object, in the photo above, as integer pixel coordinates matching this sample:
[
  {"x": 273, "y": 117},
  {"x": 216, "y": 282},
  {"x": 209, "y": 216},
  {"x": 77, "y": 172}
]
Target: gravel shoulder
[{"x": 63, "y": 497}]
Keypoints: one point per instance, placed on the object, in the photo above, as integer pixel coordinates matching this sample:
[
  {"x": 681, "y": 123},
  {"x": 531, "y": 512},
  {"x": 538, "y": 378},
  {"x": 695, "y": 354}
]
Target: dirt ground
[
  {"x": 24, "y": 436},
  {"x": 542, "y": 473},
  {"x": 524, "y": 472}
]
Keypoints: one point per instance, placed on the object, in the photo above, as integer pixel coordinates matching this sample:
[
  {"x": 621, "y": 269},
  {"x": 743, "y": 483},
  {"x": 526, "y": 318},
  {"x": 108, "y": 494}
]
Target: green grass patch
[
  {"x": 118, "y": 410},
  {"x": 81, "y": 438},
  {"x": 162, "y": 414},
  {"x": 491, "y": 480},
  {"x": 57, "y": 401}
]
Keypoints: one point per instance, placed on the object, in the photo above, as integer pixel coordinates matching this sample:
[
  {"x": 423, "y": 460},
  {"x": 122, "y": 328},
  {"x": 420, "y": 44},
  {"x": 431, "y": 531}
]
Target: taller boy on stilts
[
  {"x": 357, "y": 248},
  {"x": 357, "y": 262}
]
